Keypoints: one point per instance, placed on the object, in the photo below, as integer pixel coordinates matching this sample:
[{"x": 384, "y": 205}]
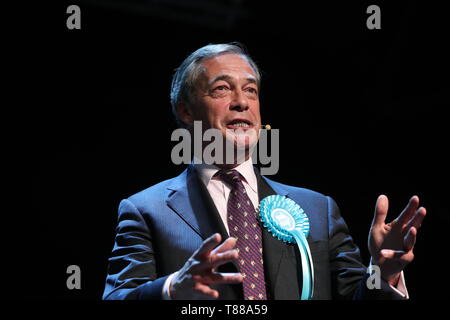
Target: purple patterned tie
[{"x": 244, "y": 226}]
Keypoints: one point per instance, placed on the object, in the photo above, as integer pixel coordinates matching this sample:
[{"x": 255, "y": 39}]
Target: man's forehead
[{"x": 228, "y": 64}]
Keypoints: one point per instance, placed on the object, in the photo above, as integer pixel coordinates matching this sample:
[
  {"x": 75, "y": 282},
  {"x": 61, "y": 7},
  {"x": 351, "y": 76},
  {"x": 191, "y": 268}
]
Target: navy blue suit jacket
[{"x": 160, "y": 227}]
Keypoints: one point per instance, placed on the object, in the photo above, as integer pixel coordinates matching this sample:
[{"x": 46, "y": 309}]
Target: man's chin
[{"x": 242, "y": 143}]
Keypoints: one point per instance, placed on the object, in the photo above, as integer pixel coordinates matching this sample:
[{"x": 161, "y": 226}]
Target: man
[{"x": 197, "y": 236}]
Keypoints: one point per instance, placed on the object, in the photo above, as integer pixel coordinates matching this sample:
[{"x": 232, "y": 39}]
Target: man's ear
[{"x": 184, "y": 113}]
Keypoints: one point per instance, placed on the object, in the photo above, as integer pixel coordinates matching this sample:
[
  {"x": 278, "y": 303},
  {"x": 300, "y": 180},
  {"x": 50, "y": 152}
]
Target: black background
[{"x": 361, "y": 112}]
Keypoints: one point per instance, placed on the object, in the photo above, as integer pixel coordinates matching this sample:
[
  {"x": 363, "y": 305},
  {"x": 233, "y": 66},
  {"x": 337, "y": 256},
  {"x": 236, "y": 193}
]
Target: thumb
[{"x": 381, "y": 209}]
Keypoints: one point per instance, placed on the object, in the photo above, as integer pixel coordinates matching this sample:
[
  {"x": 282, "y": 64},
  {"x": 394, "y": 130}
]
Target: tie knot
[{"x": 232, "y": 177}]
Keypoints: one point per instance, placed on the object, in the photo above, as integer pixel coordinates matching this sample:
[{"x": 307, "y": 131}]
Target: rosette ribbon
[{"x": 287, "y": 221}]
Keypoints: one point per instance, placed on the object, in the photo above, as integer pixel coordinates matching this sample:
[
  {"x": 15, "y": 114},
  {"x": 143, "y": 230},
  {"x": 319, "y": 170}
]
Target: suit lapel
[{"x": 191, "y": 201}]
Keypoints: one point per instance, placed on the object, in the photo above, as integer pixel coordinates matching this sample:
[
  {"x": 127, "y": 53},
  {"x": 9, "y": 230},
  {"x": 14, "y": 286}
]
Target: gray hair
[{"x": 188, "y": 73}]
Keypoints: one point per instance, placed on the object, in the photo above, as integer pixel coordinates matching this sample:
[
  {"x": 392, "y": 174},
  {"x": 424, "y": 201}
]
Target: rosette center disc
[{"x": 283, "y": 218}]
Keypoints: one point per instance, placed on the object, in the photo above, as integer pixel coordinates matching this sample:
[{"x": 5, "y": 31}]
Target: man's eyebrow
[{"x": 228, "y": 78}]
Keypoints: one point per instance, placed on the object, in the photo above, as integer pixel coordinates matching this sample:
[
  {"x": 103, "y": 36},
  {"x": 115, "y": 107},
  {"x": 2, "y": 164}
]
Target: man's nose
[{"x": 239, "y": 101}]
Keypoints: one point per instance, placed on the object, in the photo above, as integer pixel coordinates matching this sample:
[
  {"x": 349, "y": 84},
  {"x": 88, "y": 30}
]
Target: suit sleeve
[
  {"x": 348, "y": 274},
  {"x": 132, "y": 270}
]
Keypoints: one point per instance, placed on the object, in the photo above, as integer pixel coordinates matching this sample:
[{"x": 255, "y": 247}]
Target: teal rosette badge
[{"x": 287, "y": 221}]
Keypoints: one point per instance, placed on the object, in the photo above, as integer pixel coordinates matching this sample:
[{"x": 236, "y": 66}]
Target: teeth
[{"x": 241, "y": 124}]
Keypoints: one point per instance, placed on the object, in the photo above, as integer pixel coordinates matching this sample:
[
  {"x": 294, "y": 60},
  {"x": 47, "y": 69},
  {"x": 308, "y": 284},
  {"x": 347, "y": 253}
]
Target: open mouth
[{"x": 239, "y": 124}]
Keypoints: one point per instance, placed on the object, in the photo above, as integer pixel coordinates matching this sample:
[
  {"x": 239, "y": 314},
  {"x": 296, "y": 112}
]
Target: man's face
[{"x": 227, "y": 97}]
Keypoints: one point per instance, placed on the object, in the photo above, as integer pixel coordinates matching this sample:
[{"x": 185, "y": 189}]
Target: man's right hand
[{"x": 198, "y": 273}]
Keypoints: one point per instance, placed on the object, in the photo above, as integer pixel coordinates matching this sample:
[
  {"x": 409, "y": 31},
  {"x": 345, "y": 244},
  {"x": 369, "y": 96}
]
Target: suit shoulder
[
  {"x": 153, "y": 190},
  {"x": 298, "y": 191},
  {"x": 155, "y": 193}
]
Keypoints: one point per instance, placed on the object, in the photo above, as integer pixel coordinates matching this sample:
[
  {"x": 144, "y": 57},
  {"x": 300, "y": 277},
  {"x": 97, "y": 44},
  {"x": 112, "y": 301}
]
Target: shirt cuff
[
  {"x": 400, "y": 288},
  {"x": 166, "y": 287}
]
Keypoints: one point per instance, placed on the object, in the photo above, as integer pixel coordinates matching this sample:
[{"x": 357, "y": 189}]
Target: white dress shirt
[{"x": 220, "y": 191}]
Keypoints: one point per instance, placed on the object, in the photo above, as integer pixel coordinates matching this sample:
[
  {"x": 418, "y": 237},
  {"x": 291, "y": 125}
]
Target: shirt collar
[{"x": 207, "y": 171}]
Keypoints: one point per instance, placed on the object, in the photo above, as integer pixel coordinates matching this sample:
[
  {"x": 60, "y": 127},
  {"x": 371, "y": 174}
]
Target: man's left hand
[{"x": 391, "y": 245}]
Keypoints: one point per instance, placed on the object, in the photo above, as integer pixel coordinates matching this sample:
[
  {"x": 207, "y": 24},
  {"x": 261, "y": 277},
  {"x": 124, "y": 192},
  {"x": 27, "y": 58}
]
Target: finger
[
  {"x": 410, "y": 239},
  {"x": 215, "y": 260},
  {"x": 222, "y": 278},
  {"x": 207, "y": 245},
  {"x": 416, "y": 221},
  {"x": 206, "y": 290},
  {"x": 228, "y": 244},
  {"x": 381, "y": 209},
  {"x": 219, "y": 259},
  {"x": 409, "y": 210}
]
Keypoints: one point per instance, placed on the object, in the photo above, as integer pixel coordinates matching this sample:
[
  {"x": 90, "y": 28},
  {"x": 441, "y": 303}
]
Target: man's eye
[
  {"x": 220, "y": 88},
  {"x": 252, "y": 90}
]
